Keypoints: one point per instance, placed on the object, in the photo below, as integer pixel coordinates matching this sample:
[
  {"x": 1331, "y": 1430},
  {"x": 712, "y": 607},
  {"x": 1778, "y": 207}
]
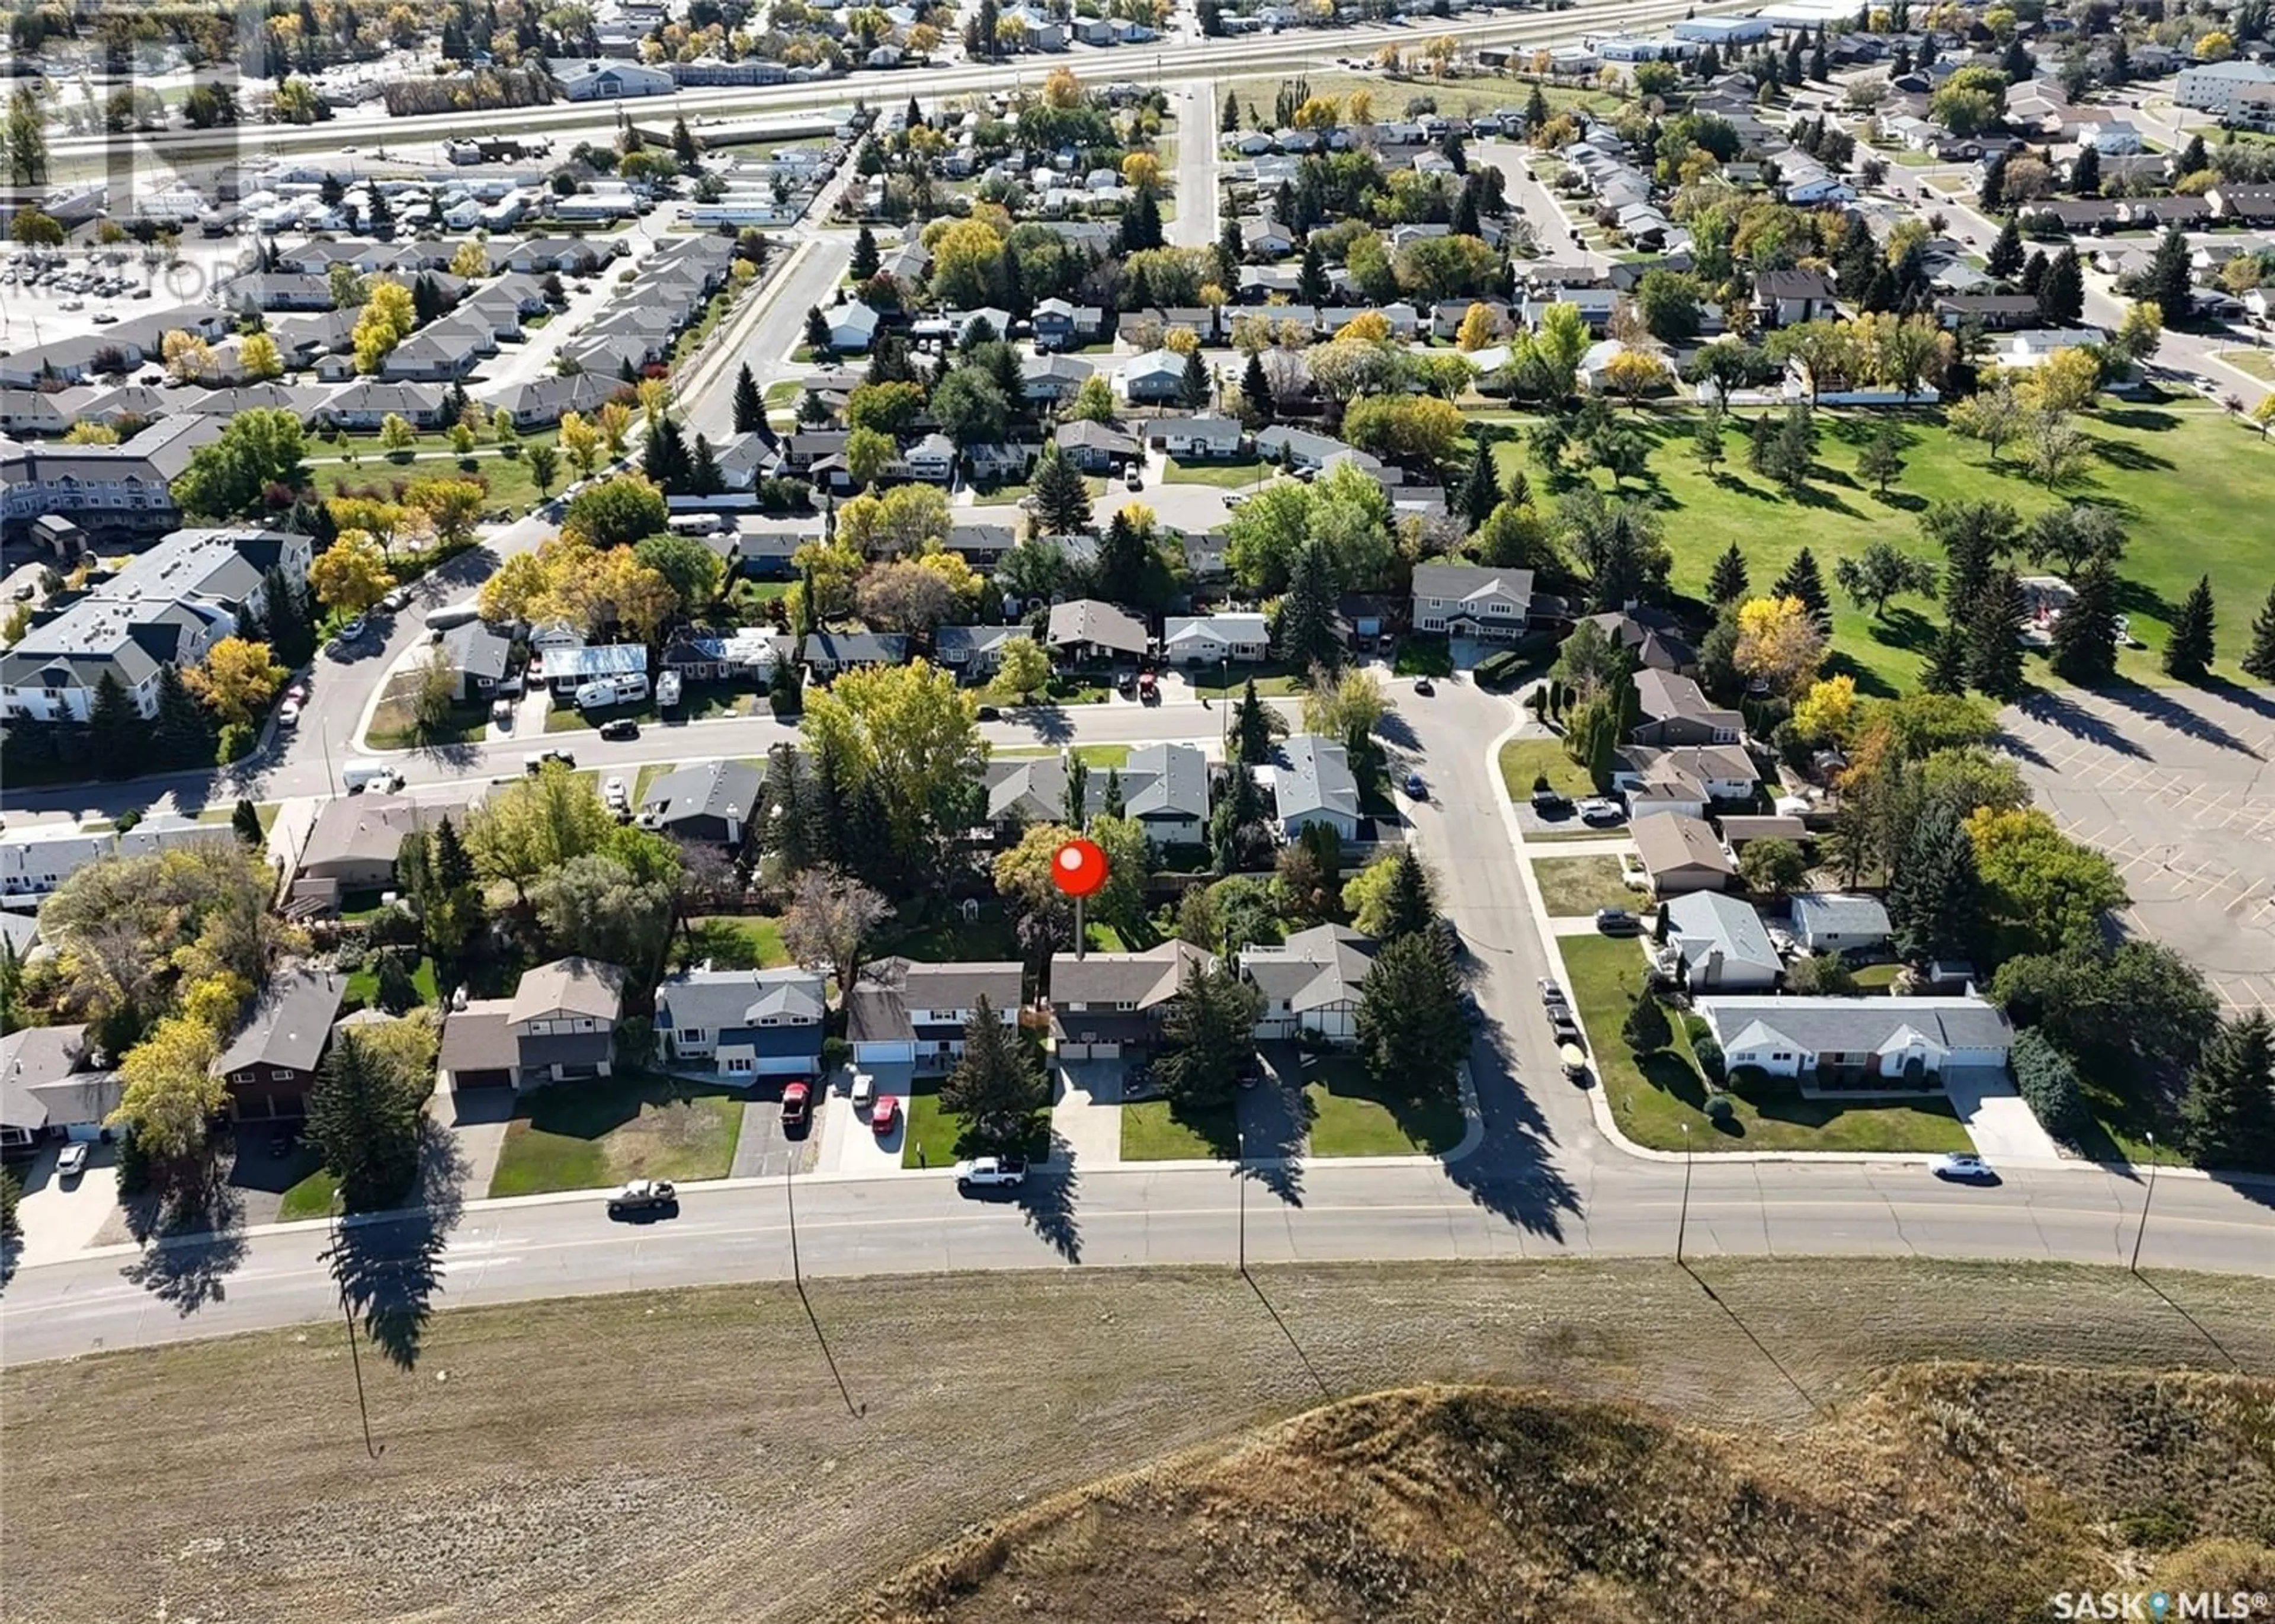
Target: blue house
[{"x": 742, "y": 1024}]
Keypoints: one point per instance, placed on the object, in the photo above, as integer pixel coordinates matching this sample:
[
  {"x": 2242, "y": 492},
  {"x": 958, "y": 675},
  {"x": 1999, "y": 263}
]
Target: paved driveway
[
  {"x": 61, "y": 1217},
  {"x": 1086, "y": 1111},
  {"x": 2178, "y": 786},
  {"x": 763, "y": 1150}
]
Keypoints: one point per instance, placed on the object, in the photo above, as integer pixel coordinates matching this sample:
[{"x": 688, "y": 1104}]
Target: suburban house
[
  {"x": 270, "y": 1063},
  {"x": 706, "y": 801},
  {"x": 479, "y": 657},
  {"x": 1828, "y": 923},
  {"x": 1672, "y": 710},
  {"x": 50, "y": 1087},
  {"x": 975, "y": 653},
  {"x": 1022, "y": 789},
  {"x": 1094, "y": 447},
  {"x": 1309, "y": 983},
  {"x": 356, "y": 839},
  {"x": 1209, "y": 639},
  {"x": 1680, "y": 853},
  {"x": 559, "y": 1026},
  {"x": 903, "y": 1013},
  {"x": 1103, "y": 1004},
  {"x": 1059, "y": 325},
  {"x": 1314, "y": 785},
  {"x": 1860, "y": 1043},
  {"x": 1196, "y": 439},
  {"x": 1052, "y": 377},
  {"x": 1787, "y": 298},
  {"x": 1164, "y": 788},
  {"x": 1472, "y": 601},
  {"x": 1684, "y": 778},
  {"x": 746, "y": 1022},
  {"x": 852, "y": 327},
  {"x": 829, "y": 653},
  {"x": 1154, "y": 378},
  {"x": 1652, "y": 636},
  {"x": 1721, "y": 942},
  {"x": 1741, "y": 829},
  {"x": 1087, "y": 632},
  {"x": 745, "y": 654},
  {"x": 37, "y": 858}
]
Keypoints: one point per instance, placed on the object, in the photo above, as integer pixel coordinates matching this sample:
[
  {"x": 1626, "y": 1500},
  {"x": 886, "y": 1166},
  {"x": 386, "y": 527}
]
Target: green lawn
[
  {"x": 993, "y": 496},
  {"x": 363, "y": 985},
  {"x": 929, "y": 1139},
  {"x": 735, "y": 942},
  {"x": 1099, "y": 756},
  {"x": 311, "y": 1197},
  {"x": 1653, "y": 1098},
  {"x": 1154, "y": 1130},
  {"x": 1351, "y": 1116},
  {"x": 510, "y": 485},
  {"x": 1576, "y": 885},
  {"x": 1423, "y": 654},
  {"x": 648, "y": 774},
  {"x": 1073, "y": 691},
  {"x": 1524, "y": 759},
  {"x": 2189, "y": 483},
  {"x": 588, "y": 1136},
  {"x": 395, "y": 726},
  {"x": 1270, "y": 677},
  {"x": 949, "y": 940},
  {"x": 2259, "y": 363},
  {"x": 1233, "y": 473},
  {"x": 265, "y": 811}
]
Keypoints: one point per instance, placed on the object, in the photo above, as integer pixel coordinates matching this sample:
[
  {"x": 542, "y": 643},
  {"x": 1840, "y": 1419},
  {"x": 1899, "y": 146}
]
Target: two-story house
[
  {"x": 1309, "y": 983},
  {"x": 903, "y": 1013},
  {"x": 270, "y": 1063},
  {"x": 742, "y": 1024},
  {"x": 975, "y": 653},
  {"x": 1105, "y": 1006},
  {"x": 559, "y": 1026},
  {"x": 1472, "y": 600}
]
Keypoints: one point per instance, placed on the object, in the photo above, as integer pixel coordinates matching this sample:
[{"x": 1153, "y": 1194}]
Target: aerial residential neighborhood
[{"x": 681, "y": 647}]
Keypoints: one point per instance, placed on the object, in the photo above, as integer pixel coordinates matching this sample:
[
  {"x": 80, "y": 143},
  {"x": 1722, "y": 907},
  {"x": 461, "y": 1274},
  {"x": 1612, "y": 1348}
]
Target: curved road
[{"x": 1544, "y": 1182}]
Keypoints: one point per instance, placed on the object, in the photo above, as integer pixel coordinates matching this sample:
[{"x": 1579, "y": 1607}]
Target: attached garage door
[
  {"x": 1090, "y": 1051},
  {"x": 784, "y": 1066},
  {"x": 499, "y": 1078},
  {"x": 894, "y": 1054}
]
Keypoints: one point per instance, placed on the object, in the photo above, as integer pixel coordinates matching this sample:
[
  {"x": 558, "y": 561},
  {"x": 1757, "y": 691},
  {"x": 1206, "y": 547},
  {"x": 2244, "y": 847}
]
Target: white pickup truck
[{"x": 991, "y": 1173}]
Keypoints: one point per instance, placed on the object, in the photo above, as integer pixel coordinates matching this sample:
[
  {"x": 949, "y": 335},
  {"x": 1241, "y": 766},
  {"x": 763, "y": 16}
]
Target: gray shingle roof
[
  {"x": 1327, "y": 965},
  {"x": 1160, "y": 780},
  {"x": 720, "y": 1000},
  {"x": 705, "y": 789},
  {"x": 288, "y": 1025},
  {"x": 1317, "y": 778},
  {"x": 1855, "y": 1025},
  {"x": 1712, "y": 919},
  {"x": 1847, "y": 915},
  {"x": 1102, "y": 980},
  {"x": 577, "y": 986}
]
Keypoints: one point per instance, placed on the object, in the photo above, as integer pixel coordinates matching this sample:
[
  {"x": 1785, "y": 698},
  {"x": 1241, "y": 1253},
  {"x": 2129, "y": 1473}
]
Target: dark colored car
[
  {"x": 620, "y": 728},
  {"x": 1617, "y": 921}
]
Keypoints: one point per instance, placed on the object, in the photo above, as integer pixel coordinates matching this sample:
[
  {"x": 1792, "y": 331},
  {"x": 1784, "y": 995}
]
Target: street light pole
[
  {"x": 1682, "y": 1223},
  {"x": 1240, "y": 1173},
  {"x": 2142, "y": 1233},
  {"x": 347, "y": 1318},
  {"x": 790, "y": 1199}
]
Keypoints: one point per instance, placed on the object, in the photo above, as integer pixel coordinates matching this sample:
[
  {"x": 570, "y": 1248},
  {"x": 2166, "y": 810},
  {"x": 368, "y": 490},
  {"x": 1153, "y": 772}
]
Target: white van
[{"x": 359, "y": 775}]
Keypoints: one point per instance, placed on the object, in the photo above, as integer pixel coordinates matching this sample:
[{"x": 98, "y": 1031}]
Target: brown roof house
[
  {"x": 1105, "y": 1004},
  {"x": 1672, "y": 710},
  {"x": 1680, "y": 853},
  {"x": 559, "y": 1026},
  {"x": 356, "y": 839},
  {"x": 270, "y": 1064},
  {"x": 904, "y": 1013}
]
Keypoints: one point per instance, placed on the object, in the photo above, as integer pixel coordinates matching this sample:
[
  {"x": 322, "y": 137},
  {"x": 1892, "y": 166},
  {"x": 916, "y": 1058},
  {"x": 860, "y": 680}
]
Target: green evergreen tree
[
  {"x": 1193, "y": 388},
  {"x": 864, "y": 255},
  {"x": 704, "y": 478},
  {"x": 1413, "y": 1027},
  {"x": 1481, "y": 492},
  {"x": 1252, "y": 728},
  {"x": 1761, "y": 445},
  {"x": 1935, "y": 896},
  {"x": 1075, "y": 802},
  {"x": 750, "y": 407},
  {"x": 2085, "y": 637},
  {"x": 1062, "y": 498},
  {"x": 292, "y": 628},
  {"x": 1307, "y": 633},
  {"x": 395, "y": 991},
  {"x": 2005, "y": 261},
  {"x": 1112, "y": 804},
  {"x": 1412, "y": 906},
  {"x": 2085, "y": 172},
  {"x": 1727, "y": 583},
  {"x": 118, "y": 738},
  {"x": 1804, "y": 580},
  {"x": 1882, "y": 459},
  {"x": 1994, "y": 637},
  {"x": 2260, "y": 660},
  {"x": 1946, "y": 662},
  {"x": 2189, "y": 655},
  {"x": 245, "y": 820},
  {"x": 1207, "y": 1036},
  {"x": 2227, "y": 1119},
  {"x": 453, "y": 867},
  {"x": 364, "y": 1117},
  {"x": 183, "y": 735},
  {"x": 996, "y": 1086},
  {"x": 1256, "y": 391},
  {"x": 2172, "y": 278}
]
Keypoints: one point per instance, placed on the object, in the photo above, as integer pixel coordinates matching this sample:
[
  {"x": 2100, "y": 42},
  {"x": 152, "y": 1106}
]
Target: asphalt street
[{"x": 1544, "y": 1183}]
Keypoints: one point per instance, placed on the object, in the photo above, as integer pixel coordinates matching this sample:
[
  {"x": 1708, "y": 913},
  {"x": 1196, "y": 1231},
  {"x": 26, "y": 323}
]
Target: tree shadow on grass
[
  {"x": 1047, "y": 1201},
  {"x": 1813, "y": 496},
  {"x": 2125, "y": 455},
  {"x": 1869, "y": 683},
  {"x": 1906, "y": 628},
  {"x": 2145, "y": 418},
  {"x": 1904, "y": 502}
]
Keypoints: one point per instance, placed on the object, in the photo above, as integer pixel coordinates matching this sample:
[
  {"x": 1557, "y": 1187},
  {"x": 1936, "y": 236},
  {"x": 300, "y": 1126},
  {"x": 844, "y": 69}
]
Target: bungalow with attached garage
[
  {"x": 903, "y": 1013},
  {"x": 1680, "y": 853},
  {"x": 1311, "y": 983},
  {"x": 709, "y": 802},
  {"x": 479, "y": 657},
  {"x": 1875, "y": 1044},
  {"x": 356, "y": 839},
  {"x": 1104, "y": 1005},
  {"x": 1196, "y": 439},
  {"x": 746, "y": 653},
  {"x": 1688, "y": 778},
  {"x": 1472, "y": 601},
  {"x": 1673, "y": 710},
  {"x": 829, "y": 653},
  {"x": 1721, "y": 942},
  {"x": 50, "y": 1087},
  {"x": 270, "y": 1064},
  {"x": 932, "y": 459},
  {"x": 1094, "y": 447},
  {"x": 1210, "y": 640},
  {"x": 1835, "y": 924},
  {"x": 747, "y": 1023},
  {"x": 1153, "y": 378},
  {"x": 1164, "y": 788},
  {"x": 559, "y": 1026},
  {"x": 1313, "y": 783},
  {"x": 975, "y": 653}
]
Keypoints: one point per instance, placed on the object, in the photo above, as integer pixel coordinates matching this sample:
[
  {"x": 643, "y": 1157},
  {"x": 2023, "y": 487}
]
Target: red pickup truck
[{"x": 797, "y": 1104}]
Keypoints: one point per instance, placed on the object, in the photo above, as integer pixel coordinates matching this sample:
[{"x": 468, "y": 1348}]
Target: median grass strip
[
  {"x": 590, "y": 1136},
  {"x": 1654, "y": 1097},
  {"x": 1525, "y": 759},
  {"x": 1352, "y": 1115},
  {"x": 1574, "y": 887}
]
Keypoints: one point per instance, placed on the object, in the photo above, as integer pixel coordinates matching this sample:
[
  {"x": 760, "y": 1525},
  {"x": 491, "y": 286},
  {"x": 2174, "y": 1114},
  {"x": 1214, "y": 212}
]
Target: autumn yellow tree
[
  {"x": 1181, "y": 341},
  {"x": 170, "y": 1092},
  {"x": 1063, "y": 90},
  {"x": 1359, "y": 107},
  {"x": 385, "y": 322},
  {"x": 1481, "y": 328},
  {"x": 580, "y": 443},
  {"x": 1370, "y": 325},
  {"x": 1141, "y": 169},
  {"x": 521, "y": 588},
  {"x": 187, "y": 357},
  {"x": 236, "y": 678},
  {"x": 614, "y": 421},
  {"x": 1633, "y": 374},
  {"x": 396, "y": 433},
  {"x": 471, "y": 261},
  {"x": 616, "y": 587},
  {"x": 1828, "y": 710},
  {"x": 653, "y": 395},
  {"x": 257, "y": 356},
  {"x": 2064, "y": 382},
  {"x": 1779, "y": 642},
  {"x": 351, "y": 574},
  {"x": 84, "y": 432},
  {"x": 451, "y": 506}
]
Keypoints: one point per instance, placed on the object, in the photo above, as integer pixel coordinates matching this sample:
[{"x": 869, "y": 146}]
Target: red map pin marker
[{"x": 1078, "y": 868}]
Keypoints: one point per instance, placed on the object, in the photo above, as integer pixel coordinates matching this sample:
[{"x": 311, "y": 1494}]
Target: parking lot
[{"x": 2178, "y": 786}]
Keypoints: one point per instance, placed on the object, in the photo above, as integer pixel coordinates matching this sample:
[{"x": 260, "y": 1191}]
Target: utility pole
[
  {"x": 1240, "y": 1141},
  {"x": 2142, "y": 1233},
  {"x": 355, "y": 1354},
  {"x": 789, "y": 1200},
  {"x": 1682, "y": 1223}
]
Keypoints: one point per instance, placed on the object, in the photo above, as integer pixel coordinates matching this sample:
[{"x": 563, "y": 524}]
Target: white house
[
  {"x": 903, "y": 1013},
  {"x": 1316, "y": 785},
  {"x": 1859, "y": 1043},
  {"x": 1721, "y": 942},
  {"x": 852, "y": 327},
  {"x": 1209, "y": 639},
  {"x": 1835, "y": 924},
  {"x": 1310, "y": 983},
  {"x": 1472, "y": 601}
]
